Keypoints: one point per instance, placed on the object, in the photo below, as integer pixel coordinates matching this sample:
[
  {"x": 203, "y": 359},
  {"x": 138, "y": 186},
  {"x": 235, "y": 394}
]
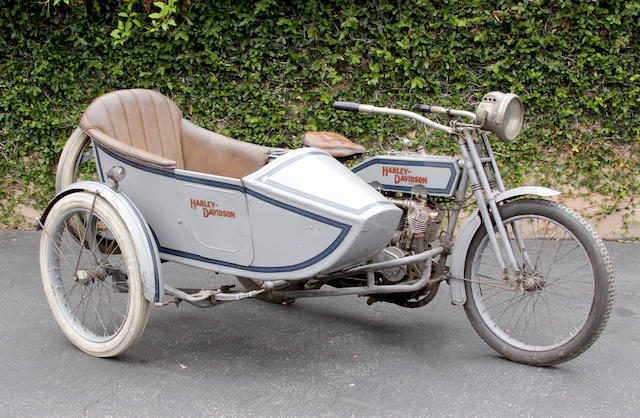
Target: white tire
[
  {"x": 565, "y": 295},
  {"x": 94, "y": 290},
  {"x": 70, "y": 159}
]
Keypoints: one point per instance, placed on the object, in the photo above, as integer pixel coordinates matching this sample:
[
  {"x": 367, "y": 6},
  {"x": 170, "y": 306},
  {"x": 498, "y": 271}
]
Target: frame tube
[
  {"x": 370, "y": 289},
  {"x": 393, "y": 263},
  {"x": 482, "y": 204},
  {"x": 500, "y": 183},
  {"x": 457, "y": 206},
  {"x": 494, "y": 164},
  {"x": 492, "y": 203}
]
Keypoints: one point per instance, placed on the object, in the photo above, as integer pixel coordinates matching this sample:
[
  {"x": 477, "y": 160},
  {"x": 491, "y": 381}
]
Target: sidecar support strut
[
  {"x": 206, "y": 298},
  {"x": 371, "y": 288}
]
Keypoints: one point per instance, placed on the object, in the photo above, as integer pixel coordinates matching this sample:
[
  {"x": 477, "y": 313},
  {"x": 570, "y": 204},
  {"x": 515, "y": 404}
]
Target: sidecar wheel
[
  {"x": 560, "y": 304},
  {"x": 76, "y": 162},
  {"x": 95, "y": 293}
]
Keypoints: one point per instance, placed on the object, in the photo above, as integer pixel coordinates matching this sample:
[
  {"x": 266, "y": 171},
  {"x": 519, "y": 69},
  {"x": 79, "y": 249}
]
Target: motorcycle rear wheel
[{"x": 560, "y": 304}]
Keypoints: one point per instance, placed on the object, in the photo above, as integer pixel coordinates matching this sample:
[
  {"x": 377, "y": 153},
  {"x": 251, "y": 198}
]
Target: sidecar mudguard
[
  {"x": 141, "y": 234},
  {"x": 461, "y": 246}
]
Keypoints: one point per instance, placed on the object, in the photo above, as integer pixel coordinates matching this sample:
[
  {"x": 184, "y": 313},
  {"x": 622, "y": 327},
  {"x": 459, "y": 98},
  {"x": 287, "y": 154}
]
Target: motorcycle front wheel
[{"x": 560, "y": 302}]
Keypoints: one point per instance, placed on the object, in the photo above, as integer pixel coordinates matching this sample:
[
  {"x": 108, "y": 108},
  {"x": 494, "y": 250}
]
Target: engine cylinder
[{"x": 423, "y": 220}]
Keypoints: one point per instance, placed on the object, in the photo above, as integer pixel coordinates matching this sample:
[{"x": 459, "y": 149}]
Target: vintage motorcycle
[{"x": 535, "y": 280}]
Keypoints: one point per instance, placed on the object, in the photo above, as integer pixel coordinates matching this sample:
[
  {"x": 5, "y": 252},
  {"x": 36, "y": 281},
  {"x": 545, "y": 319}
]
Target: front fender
[
  {"x": 144, "y": 242},
  {"x": 468, "y": 231}
]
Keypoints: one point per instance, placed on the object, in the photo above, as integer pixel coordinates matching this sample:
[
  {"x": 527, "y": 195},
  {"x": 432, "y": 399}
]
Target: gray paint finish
[
  {"x": 438, "y": 174},
  {"x": 318, "y": 235}
]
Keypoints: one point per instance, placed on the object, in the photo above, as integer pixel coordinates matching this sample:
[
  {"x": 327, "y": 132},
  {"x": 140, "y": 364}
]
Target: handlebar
[
  {"x": 357, "y": 107},
  {"x": 423, "y": 108},
  {"x": 348, "y": 106}
]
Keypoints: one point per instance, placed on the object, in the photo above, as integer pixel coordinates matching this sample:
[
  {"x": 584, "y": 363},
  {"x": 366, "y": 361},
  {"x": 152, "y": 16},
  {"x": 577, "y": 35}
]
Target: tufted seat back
[
  {"x": 147, "y": 127},
  {"x": 140, "y": 119}
]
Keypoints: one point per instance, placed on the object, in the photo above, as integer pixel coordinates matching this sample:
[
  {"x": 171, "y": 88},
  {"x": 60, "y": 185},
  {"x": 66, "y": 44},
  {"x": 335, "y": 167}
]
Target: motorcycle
[{"x": 137, "y": 185}]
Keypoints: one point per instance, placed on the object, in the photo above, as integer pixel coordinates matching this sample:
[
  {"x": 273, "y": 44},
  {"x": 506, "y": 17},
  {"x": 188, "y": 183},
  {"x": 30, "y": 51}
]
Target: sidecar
[{"x": 229, "y": 206}]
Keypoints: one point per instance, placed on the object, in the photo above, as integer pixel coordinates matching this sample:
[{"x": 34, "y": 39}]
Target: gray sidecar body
[{"x": 217, "y": 203}]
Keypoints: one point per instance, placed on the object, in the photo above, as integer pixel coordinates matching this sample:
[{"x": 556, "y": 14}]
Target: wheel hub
[
  {"x": 532, "y": 282},
  {"x": 84, "y": 275}
]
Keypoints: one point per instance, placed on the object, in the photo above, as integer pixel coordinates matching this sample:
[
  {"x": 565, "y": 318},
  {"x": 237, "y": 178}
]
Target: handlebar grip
[
  {"x": 348, "y": 106},
  {"x": 422, "y": 108}
]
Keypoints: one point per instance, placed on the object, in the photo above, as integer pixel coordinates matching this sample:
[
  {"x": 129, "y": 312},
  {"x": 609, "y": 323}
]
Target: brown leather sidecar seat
[{"x": 148, "y": 127}]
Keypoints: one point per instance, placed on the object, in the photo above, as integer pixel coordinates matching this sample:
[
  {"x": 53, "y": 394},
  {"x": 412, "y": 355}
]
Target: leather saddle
[{"x": 337, "y": 145}]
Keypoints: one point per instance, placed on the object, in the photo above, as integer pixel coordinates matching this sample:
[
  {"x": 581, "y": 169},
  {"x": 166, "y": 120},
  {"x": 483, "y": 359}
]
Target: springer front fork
[{"x": 479, "y": 170}]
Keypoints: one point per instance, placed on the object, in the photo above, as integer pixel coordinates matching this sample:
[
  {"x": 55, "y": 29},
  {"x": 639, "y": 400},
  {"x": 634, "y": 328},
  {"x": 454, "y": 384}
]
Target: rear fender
[
  {"x": 468, "y": 231},
  {"x": 143, "y": 239}
]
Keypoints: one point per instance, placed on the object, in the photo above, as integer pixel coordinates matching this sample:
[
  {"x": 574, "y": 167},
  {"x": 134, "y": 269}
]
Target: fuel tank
[{"x": 430, "y": 174}]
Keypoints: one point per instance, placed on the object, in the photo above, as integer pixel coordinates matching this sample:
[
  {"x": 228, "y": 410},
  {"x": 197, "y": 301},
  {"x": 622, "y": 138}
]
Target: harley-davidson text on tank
[
  {"x": 437, "y": 174},
  {"x": 401, "y": 174},
  {"x": 209, "y": 208}
]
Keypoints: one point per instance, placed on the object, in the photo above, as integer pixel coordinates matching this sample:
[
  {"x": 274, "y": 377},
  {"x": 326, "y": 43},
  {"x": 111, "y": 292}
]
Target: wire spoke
[
  {"x": 557, "y": 305},
  {"x": 97, "y": 308}
]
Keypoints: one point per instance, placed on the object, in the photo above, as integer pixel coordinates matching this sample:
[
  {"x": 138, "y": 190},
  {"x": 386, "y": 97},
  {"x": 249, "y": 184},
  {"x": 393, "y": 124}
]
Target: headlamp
[{"x": 502, "y": 114}]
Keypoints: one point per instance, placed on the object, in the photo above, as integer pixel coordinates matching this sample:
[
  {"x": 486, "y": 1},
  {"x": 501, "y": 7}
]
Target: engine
[
  {"x": 418, "y": 227},
  {"x": 421, "y": 226}
]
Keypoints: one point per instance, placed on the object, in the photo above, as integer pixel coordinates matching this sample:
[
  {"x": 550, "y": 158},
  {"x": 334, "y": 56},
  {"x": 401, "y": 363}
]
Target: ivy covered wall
[{"x": 268, "y": 71}]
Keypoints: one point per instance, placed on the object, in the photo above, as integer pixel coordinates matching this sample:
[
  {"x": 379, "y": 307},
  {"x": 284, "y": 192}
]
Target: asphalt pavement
[{"x": 318, "y": 356}]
